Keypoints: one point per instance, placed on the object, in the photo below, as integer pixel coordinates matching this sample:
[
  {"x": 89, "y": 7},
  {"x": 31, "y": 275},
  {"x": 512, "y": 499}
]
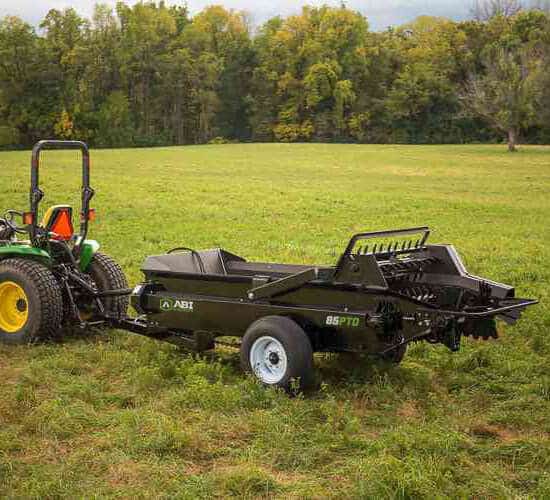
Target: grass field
[{"x": 120, "y": 415}]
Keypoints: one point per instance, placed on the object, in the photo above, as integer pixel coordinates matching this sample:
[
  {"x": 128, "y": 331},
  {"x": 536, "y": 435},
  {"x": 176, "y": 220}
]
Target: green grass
[{"x": 120, "y": 415}]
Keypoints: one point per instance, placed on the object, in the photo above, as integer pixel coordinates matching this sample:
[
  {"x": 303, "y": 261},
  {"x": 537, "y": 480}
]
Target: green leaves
[{"x": 149, "y": 74}]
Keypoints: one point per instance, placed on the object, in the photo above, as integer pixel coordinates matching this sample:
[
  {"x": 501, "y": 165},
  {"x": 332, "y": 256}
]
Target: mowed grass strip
[{"x": 120, "y": 415}]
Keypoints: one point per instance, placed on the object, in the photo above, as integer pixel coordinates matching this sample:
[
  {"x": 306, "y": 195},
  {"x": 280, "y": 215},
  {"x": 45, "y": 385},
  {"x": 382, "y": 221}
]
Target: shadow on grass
[
  {"x": 345, "y": 368},
  {"x": 340, "y": 373}
]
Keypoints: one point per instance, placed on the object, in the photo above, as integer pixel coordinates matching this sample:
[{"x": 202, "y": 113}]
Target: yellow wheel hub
[{"x": 14, "y": 307}]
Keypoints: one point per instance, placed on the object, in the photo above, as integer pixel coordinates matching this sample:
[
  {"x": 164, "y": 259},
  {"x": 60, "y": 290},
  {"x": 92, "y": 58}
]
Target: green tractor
[{"x": 51, "y": 276}]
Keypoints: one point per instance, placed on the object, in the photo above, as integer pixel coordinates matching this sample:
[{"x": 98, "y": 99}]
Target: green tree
[
  {"x": 421, "y": 100},
  {"x": 114, "y": 121},
  {"x": 505, "y": 95},
  {"x": 308, "y": 68},
  {"x": 19, "y": 80},
  {"x": 146, "y": 33},
  {"x": 506, "y": 92},
  {"x": 64, "y": 47},
  {"x": 226, "y": 35},
  {"x": 151, "y": 74}
]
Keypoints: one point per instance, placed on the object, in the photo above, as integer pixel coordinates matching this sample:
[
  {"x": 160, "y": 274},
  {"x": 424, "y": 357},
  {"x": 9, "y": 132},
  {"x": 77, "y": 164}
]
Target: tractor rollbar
[{"x": 36, "y": 194}]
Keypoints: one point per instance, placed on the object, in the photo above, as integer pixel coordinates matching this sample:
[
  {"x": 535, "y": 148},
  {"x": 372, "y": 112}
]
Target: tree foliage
[
  {"x": 507, "y": 92},
  {"x": 150, "y": 74}
]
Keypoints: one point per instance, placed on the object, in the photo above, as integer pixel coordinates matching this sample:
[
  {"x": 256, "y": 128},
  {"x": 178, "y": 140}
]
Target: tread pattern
[
  {"x": 108, "y": 275},
  {"x": 49, "y": 293}
]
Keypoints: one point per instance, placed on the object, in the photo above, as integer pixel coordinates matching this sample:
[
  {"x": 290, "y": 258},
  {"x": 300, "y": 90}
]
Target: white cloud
[{"x": 381, "y": 13}]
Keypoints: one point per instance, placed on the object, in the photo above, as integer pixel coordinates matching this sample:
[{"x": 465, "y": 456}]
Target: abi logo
[{"x": 168, "y": 304}]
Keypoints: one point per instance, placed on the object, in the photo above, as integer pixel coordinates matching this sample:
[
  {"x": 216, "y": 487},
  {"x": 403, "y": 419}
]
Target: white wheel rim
[{"x": 268, "y": 360}]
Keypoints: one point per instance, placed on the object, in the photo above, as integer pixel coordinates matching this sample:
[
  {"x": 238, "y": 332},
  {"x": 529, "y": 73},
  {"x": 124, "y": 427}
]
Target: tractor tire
[
  {"x": 108, "y": 275},
  {"x": 395, "y": 356},
  {"x": 279, "y": 353},
  {"x": 6, "y": 232},
  {"x": 31, "y": 303}
]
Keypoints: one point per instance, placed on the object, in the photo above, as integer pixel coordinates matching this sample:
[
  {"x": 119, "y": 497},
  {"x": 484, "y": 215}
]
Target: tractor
[{"x": 52, "y": 276}]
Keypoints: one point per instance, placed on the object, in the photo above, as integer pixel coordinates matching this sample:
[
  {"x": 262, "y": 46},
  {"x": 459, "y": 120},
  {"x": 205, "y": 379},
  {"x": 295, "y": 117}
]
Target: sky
[{"x": 380, "y": 13}]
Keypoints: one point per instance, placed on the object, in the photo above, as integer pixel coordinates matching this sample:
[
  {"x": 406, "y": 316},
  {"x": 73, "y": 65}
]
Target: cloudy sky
[{"x": 381, "y": 13}]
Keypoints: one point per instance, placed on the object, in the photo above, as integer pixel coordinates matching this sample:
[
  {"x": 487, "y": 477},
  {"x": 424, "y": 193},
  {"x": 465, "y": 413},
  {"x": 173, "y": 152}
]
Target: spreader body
[{"x": 375, "y": 299}]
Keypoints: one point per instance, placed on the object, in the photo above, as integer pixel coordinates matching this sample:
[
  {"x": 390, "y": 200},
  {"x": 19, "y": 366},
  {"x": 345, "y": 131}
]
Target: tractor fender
[
  {"x": 87, "y": 251},
  {"x": 24, "y": 251}
]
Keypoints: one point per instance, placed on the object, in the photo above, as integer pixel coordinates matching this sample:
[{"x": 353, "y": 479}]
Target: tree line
[{"x": 151, "y": 74}]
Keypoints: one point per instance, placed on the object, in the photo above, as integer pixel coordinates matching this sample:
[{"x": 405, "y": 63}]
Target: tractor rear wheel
[
  {"x": 108, "y": 275},
  {"x": 31, "y": 304}
]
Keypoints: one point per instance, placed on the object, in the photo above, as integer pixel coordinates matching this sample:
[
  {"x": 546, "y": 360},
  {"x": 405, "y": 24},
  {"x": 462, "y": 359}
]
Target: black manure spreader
[{"x": 387, "y": 289}]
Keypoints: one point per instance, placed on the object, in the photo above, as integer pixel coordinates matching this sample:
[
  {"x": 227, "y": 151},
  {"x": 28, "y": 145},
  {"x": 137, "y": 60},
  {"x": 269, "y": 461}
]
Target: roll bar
[{"x": 36, "y": 194}]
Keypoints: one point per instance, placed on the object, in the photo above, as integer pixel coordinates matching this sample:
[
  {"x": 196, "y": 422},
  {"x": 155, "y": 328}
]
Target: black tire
[
  {"x": 108, "y": 275},
  {"x": 299, "y": 372},
  {"x": 6, "y": 232},
  {"x": 395, "y": 356},
  {"x": 43, "y": 301}
]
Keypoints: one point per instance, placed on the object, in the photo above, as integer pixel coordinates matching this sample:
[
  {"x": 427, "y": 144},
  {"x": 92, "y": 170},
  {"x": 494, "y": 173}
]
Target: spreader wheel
[
  {"x": 31, "y": 305},
  {"x": 108, "y": 275},
  {"x": 279, "y": 353}
]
